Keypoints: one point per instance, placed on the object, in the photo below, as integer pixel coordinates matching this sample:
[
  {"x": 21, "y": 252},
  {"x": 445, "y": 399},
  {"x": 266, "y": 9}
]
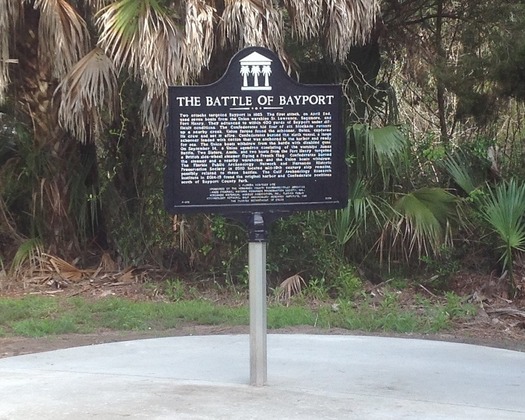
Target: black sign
[{"x": 255, "y": 141}]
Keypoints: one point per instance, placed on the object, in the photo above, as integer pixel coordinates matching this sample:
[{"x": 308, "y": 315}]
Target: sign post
[
  {"x": 254, "y": 146},
  {"x": 258, "y": 323}
]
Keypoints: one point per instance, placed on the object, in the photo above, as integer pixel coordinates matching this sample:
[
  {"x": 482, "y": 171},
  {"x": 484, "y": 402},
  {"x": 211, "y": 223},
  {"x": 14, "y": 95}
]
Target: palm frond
[
  {"x": 388, "y": 142},
  {"x": 252, "y": 23},
  {"x": 199, "y": 33},
  {"x": 289, "y": 287},
  {"x": 423, "y": 221},
  {"x": 28, "y": 252},
  {"x": 458, "y": 168},
  {"x": 97, "y": 4},
  {"x": 194, "y": 49},
  {"x": 348, "y": 22},
  {"x": 117, "y": 23},
  {"x": 144, "y": 37},
  {"x": 87, "y": 91},
  {"x": 306, "y": 17},
  {"x": 504, "y": 210},
  {"x": 154, "y": 118},
  {"x": 63, "y": 35},
  {"x": 362, "y": 209},
  {"x": 162, "y": 52},
  {"x": 378, "y": 149},
  {"x": 55, "y": 265}
]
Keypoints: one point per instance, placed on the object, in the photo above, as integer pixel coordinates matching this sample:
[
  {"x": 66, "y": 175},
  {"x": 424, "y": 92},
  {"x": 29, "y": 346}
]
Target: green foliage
[
  {"x": 230, "y": 250},
  {"x": 378, "y": 151},
  {"x": 508, "y": 53},
  {"x": 390, "y": 316},
  {"x": 398, "y": 282},
  {"x": 469, "y": 166},
  {"x": 364, "y": 213},
  {"x": 119, "y": 314},
  {"x": 434, "y": 152},
  {"x": 423, "y": 221},
  {"x": 219, "y": 227},
  {"x": 503, "y": 208},
  {"x": 317, "y": 289},
  {"x": 342, "y": 284},
  {"x": 114, "y": 188},
  {"x": 417, "y": 221},
  {"x": 347, "y": 283},
  {"x": 132, "y": 202},
  {"x": 212, "y": 245},
  {"x": 441, "y": 267},
  {"x": 387, "y": 317},
  {"x": 35, "y": 317},
  {"x": 300, "y": 244},
  {"x": 174, "y": 290},
  {"x": 24, "y": 168},
  {"x": 44, "y": 194},
  {"x": 26, "y": 252},
  {"x": 459, "y": 171},
  {"x": 456, "y": 307}
]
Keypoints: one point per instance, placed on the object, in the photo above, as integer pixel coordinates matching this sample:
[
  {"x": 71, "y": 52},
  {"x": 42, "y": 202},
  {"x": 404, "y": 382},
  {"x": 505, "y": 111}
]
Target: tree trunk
[
  {"x": 440, "y": 66},
  {"x": 54, "y": 153}
]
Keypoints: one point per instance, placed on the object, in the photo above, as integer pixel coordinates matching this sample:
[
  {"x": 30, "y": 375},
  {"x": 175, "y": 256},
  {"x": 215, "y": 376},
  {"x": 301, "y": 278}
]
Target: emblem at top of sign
[{"x": 255, "y": 71}]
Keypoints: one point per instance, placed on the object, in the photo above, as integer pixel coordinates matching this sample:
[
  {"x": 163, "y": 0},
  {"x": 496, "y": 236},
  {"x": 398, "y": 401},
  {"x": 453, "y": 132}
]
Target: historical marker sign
[{"x": 255, "y": 141}]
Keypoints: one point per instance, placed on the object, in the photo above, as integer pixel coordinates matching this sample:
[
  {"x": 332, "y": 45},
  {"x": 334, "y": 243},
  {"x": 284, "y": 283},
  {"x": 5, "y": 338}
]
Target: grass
[
  {"x": 40, "y": 316},
  {"x": 37, "y": 316}
]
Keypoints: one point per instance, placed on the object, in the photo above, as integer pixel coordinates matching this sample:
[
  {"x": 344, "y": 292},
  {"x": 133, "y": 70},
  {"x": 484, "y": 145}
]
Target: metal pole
[{"x": 258, "y": 323}]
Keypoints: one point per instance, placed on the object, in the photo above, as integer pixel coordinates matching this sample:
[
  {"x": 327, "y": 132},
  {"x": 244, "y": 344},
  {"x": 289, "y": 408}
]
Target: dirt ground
[{"x": 500, "y": 321}]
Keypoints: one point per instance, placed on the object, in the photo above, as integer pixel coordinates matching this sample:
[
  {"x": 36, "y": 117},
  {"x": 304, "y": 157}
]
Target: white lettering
[
  {"x": 306, "y": 100},
  {"x": 265, "y": 100},
  {"x": 188, "y": 101},
  {"x": 228, "y": 100}
]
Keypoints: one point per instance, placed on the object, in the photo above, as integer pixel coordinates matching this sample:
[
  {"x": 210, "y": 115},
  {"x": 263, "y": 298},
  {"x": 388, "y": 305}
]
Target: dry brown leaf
[
  {"x": 62, "y": 268},
  {"x": 107, "y": 263},
  {"x": 127, "y": 276},
  {"x": 290, "y": 286}
]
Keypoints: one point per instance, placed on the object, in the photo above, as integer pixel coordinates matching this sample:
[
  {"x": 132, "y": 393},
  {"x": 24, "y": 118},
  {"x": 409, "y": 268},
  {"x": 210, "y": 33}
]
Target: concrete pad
[{"x": 309, "y": 377}]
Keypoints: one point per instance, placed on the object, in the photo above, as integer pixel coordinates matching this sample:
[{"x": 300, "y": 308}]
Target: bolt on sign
[{"x": 255, "y": 141}]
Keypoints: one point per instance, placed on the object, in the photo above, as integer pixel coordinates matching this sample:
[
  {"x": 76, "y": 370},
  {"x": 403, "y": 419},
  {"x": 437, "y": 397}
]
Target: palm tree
[
  {"x": 61, "y": 60},
  {"x": 50, "y": 38},
  {"x": 503, "y": 208},
  {"x": 245, "y": 72}
]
